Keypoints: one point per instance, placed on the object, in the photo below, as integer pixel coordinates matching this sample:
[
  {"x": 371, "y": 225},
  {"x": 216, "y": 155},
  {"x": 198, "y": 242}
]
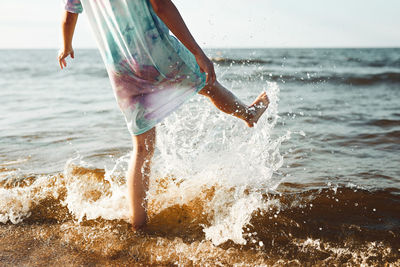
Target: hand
[
  {"x": 63, "y": 54},
  {"x": 206, "y": 66}
]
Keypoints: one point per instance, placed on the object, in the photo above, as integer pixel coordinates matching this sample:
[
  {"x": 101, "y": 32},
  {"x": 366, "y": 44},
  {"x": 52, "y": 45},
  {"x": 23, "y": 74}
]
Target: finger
[
  {"x": 64, "y": 62},
  {"x": 59, "y": 62},
  {"x": 72, "y": 54}
]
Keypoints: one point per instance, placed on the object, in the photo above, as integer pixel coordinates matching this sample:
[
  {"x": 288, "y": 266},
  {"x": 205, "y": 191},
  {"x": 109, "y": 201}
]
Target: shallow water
[{"x": 317, "y": 181}]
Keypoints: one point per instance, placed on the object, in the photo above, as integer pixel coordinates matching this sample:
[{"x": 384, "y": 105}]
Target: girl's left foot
[
  {"x": 257, "y": 109},
  {"x": 139, "y": 224}
]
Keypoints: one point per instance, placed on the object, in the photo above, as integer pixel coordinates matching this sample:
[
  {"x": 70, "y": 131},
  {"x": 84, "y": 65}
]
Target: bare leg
[
  {"x": 138, "y": 177},
  {"x": 227, "y": 102}
]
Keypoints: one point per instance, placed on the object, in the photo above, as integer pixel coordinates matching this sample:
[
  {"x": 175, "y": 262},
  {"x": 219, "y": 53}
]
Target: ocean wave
[
  {"x": 353, "y": 79},
  {"x": 383, "y": 123},
  {"x": 308, "y": 61},
  {"x": 228, "y": 61},
  {"x": 362, "y": 62},
  {"x": 82, "y": 209},
  {"x": 389, "y": 140},
  {"x": 371, "y": 79},
  {"x": 384, "y": 63},
  {"x": 386, "y": 140},
  {"x": 57, "y": 196}
]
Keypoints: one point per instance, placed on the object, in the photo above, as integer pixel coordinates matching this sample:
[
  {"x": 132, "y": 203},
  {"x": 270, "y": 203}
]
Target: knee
[
  {"x": 145, "y": 143},
  {"x": 141, "y": 149},
  {"x": 145, "y": 148}
]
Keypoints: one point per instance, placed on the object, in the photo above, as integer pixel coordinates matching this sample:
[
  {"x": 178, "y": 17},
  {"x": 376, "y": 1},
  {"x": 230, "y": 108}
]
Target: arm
[
  {"x": 170, "y": 15},
  {"x": 68, "y": 28}
]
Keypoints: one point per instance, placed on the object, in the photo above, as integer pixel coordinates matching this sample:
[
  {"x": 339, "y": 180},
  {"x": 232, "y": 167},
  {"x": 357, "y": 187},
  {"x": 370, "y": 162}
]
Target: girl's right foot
[{"x": 257, "y": 109}]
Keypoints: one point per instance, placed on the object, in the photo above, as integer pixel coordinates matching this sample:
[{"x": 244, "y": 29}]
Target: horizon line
[{"x": 256, "y": 47}]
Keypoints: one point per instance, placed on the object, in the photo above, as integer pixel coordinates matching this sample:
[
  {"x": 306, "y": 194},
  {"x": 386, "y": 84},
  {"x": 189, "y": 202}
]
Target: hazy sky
[{"x": 228, "y": 23}]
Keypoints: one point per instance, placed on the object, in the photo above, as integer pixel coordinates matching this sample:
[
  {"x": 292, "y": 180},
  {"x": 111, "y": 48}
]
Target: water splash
[
  {"x": 199, "y": 150},
  {"x": 237, "y": 162}
]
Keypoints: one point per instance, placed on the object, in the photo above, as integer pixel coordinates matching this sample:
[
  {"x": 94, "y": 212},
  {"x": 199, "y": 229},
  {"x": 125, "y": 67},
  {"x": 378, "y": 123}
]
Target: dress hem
[{"x": 200, "y": 87}]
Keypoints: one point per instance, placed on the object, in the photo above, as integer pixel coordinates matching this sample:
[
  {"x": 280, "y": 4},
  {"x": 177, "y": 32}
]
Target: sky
[{"x": 228, "y": 23}]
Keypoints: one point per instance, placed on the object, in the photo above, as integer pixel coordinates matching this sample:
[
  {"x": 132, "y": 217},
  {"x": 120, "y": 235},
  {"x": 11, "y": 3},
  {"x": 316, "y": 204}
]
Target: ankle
[{"x": 249, "y": 113}]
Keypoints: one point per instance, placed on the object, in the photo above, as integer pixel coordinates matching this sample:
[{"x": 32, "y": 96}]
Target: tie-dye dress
[{"x": 151, "y": 72}]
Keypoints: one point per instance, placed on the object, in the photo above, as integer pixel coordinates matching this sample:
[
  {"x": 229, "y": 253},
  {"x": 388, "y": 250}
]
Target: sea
[{"x": 315, "y": 183}]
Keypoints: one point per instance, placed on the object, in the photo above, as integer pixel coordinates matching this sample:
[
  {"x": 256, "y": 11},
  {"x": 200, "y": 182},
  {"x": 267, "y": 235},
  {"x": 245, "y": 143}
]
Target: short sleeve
[{"x": 73, "y": 6}]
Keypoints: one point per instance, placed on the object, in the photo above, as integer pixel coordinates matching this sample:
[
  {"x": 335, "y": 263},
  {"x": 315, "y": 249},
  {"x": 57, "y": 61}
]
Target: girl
[{"x": 152, "y": 73}]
